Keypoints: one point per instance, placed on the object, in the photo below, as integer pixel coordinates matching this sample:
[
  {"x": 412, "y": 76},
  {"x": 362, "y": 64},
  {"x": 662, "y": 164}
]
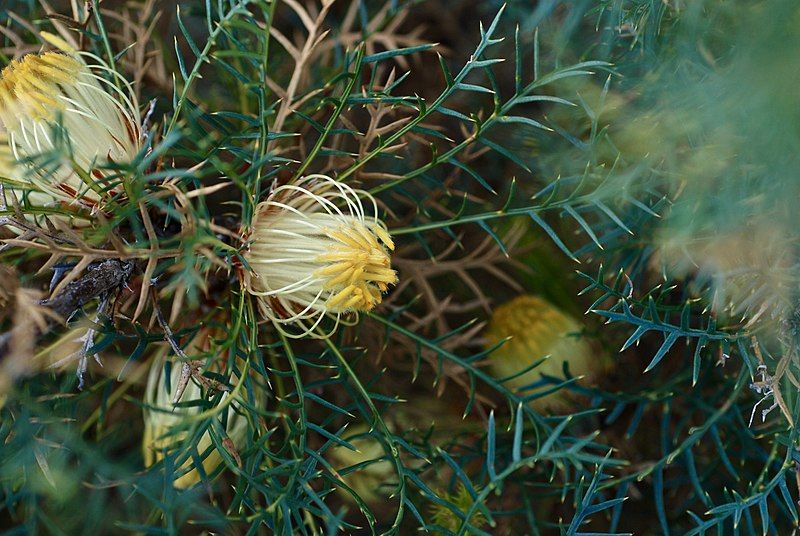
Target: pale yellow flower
[
  {"x": 315, "y": 251},
  {"x": 56, "y": 100},
  {"x": 372, "y": 482},
  {"x": 536, "y": 329},
  {"x": 165, "y": 425}
]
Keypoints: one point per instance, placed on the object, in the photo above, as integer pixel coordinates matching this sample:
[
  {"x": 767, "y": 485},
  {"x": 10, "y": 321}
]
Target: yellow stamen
[
  {"x": 357, "y": 268},
  {"x": 32, "y": 83}
]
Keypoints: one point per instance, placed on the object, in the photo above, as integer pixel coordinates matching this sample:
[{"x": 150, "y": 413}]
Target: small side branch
[{"x": 190, "y": 368}]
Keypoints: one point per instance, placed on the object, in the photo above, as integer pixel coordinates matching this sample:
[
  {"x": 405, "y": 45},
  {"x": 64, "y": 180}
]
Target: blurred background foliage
[{"x": 630, "y": 163}]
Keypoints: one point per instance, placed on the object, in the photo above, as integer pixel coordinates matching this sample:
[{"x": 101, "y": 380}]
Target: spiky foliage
[{"x": 565, "y": 137}]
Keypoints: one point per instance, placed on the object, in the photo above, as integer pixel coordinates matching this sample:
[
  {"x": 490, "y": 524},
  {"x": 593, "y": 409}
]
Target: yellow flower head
[
  {"x": 52, "y": 95},
  {"x": 537, "y": 329},
  {"x": 315, "y": 251}
]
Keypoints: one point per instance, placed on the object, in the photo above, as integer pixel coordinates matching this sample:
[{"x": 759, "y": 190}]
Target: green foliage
[{"x": 649, "y": 145}]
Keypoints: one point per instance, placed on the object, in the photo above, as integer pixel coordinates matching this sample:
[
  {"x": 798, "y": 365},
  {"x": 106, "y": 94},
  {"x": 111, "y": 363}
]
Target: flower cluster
[{"x": 314, "y": 250}]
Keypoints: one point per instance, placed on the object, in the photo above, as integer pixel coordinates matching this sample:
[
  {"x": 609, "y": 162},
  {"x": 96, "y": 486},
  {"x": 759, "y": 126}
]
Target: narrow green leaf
[{"x": 665, "y": 347}]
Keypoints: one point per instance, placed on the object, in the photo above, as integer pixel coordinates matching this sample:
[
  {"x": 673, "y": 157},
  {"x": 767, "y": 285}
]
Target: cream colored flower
[
  {"x": 165, "y": 426},
  {"x": 314, "y": 251},
  {"x": 374, "y": 477},
  {"x": 56, "y": 100}
]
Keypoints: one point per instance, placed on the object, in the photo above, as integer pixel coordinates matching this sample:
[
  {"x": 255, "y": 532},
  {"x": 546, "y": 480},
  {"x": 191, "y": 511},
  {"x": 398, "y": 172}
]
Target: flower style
[
  {"x": 315, "y": 252},
  {"x": 56, "y": 100},
  {"x": 165, "y": 426}
]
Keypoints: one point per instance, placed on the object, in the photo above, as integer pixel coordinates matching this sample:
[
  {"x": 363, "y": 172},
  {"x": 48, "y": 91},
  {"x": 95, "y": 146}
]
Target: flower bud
[
  {"x": 166, "y": 428},
  {"x": 374, "y": 480},
  {"x": 444, "y": 517},
  {"x": 536, "y": 329}
]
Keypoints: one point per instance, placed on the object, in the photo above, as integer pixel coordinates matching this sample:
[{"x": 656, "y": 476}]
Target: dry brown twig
[
  {"x": 380, "y": 34},
  {"x": 316, "y": 44},
  {"x": 769, "y": 385},
  {"x": 143, "y": 59},
  {"x": 20, "y": 47},
  {"x": 486, "y": 257},
  {"x": 301, "y": 55},
  {"x": 190, "y": 368}
]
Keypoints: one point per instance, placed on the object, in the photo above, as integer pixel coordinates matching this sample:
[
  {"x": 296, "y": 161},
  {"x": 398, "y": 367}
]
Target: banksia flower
[
  {"x": 55, "y": 100},
  {"x": 166, "y": 429},
  {"x": 314, "y": 251},
  {"x": 537, "y": 329}
]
